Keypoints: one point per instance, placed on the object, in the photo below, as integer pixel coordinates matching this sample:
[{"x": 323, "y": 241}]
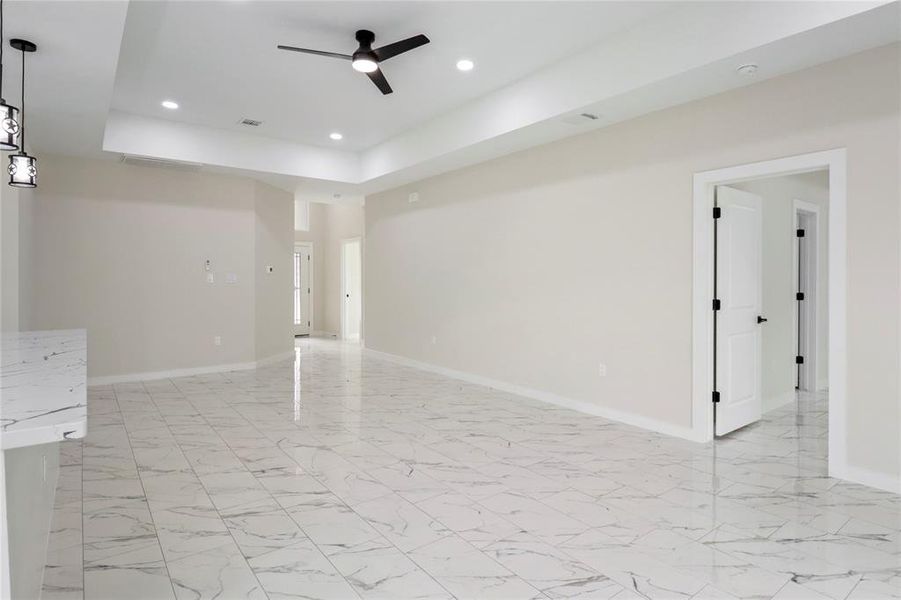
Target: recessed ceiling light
[
  {"x": 169, "y": 104},
  {"x": 464, "y": 64},
  {"x": 336, "y": 136},
  {"x": 748, "y": 69}
]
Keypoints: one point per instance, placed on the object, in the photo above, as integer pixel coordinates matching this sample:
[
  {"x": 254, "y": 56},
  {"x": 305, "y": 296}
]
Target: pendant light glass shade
[
  {"x": 9, "y": 126},
  {"x": 23, "y": 170}
]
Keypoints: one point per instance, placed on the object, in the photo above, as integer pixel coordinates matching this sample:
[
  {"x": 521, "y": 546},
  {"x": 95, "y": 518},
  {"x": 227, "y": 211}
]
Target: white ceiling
[
  {"x": 103, "y": 66},
  {"x": 219, "y": 60}
]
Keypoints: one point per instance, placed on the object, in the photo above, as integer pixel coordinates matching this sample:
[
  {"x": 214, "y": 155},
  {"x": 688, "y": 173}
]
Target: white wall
[
  {"x": 779, "y": 279},
  {"x": 120, "y": 251},
  {"x": 533, "y": 268},
  {"x": 329, "y": 224}
]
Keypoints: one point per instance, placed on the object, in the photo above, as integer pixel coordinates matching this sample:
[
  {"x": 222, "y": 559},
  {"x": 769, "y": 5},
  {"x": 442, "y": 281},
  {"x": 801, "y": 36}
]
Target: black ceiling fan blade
[
  {"x": 316, "y": 52},
  {"x": 378, "y": 78},
  {"x": 386, "y": 52}
]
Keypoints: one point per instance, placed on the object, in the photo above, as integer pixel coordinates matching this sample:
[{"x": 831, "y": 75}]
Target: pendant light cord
[
  {"x": 1, "y": 48},
  {"x": 22, "y": 113}
]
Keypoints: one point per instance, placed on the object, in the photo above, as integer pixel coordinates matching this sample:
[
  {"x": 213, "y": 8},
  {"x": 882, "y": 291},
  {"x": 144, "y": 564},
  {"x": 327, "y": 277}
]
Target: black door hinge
[
  {"x": 716, "y": 304},
  {"x": 716, "y": 397},
  {"x": 799, "y": 296},
  {"x": 800, "y": 233},
  {"x": 799, "y": 360},
  {"x": 717, "y": 212}
]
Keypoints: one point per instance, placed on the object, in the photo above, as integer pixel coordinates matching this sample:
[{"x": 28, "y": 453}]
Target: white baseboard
[
  {"x": 779, "y": 401},
  {"x": 169, "y": 374},
  {"x": 275, "y": 358},
  {"x": 578, "y": 405},
  {"x": 882, "y": 481}
]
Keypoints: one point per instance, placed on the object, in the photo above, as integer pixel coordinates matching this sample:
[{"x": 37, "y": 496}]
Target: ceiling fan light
[
  {"x": 9, "y": 126},
  {"x": 364, "y": 64},
  {"x": 23, "y": 170}
]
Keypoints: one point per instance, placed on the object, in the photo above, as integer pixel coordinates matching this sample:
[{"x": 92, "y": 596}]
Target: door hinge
[
  {"x": 717, "y": 212},
  {"x": 716, "y": 397},
  {"x": 800, "y": 233},
  {"x": 799, "y": 296},
  {"x": 308, "y": 323},
  {"x": 716, "y": 304},
  {"x": 308, "y": 257},
  {"x": 799, "y": 360}
]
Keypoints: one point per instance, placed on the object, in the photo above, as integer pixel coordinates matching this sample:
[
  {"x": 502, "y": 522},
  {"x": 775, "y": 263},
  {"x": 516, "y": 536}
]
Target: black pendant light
[
  {"x": 9, "y": 115},
  {"x": 23, "y": 169}
]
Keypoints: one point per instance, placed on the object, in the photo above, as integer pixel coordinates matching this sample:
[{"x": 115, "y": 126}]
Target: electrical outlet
[
  {"x": 209, "y": 278},
  {"x": 434, "y": 339},
  {"x": 602, "y": 370},
  {"x": 217, "y": 340},
  {"x": 231, "y": 278}
]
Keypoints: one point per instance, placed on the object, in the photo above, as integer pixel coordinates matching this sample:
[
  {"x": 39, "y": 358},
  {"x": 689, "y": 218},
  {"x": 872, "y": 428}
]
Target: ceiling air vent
[
  {"x": 580, "y": 119},
  {"x": 160, "y": 163},
  {"x": 250, "y": 122}
]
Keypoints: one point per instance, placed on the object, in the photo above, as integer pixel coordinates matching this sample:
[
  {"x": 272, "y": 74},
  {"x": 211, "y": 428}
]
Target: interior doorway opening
[
  {"x": 352, "y": 289},
  {"x": 303, "y": 289},
  {"x": 721, "y": 367}
]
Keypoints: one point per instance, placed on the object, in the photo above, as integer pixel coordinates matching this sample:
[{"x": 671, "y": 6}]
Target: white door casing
[
  {"x": 303, "y": 265},
  {"x": 739, "y": 290}
]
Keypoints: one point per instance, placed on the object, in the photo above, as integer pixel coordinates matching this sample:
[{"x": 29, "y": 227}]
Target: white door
[
  {"x": 739, "y": 289},
  {"x": 351, "y": 289},
  {"x": 302, "y": 267}
]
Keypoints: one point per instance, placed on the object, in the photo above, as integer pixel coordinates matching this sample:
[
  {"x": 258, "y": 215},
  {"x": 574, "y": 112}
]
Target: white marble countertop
[{"x": 43, "y": 387}]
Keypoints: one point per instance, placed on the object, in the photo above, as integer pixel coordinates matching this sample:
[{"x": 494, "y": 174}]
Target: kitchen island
[{"x": 43, "y": 401}]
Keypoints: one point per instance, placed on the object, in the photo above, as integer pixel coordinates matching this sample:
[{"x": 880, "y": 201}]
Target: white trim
[
  {"x": 342, "y": 324},
  {"x": 702, "y": 287},
  {"x": 551, "y": 398},
  {"x": 172, "y": 373},
  {"x": 309, "y": 245},
  {"x": 779, "y": 400},
  {"x": 882, "y": 481},
  {"x": 812, "y": 308}
]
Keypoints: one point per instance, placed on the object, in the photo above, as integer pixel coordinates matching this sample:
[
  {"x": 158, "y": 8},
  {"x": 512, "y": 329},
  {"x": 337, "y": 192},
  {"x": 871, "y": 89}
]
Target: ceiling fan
[{"x": 365, "y": 59}]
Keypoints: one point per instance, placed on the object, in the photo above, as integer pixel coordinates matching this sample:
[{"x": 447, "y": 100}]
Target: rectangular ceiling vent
[
  {"x": 160, "y": 163},
  {"x": 250, "y": 122},
  {"x": 581, "y": 119}
]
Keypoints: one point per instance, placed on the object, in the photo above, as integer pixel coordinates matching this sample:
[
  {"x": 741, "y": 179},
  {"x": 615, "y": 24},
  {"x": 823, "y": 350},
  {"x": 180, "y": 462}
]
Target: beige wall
[
  {"x": 273, "y": 246},
  {"x": 780, "y": 283},
  {"x": 329, "y": 225},
  {"x": 120, "y": 250},
  {"x": 11, "y": 199},
  {"x": 533, "y": 268}
]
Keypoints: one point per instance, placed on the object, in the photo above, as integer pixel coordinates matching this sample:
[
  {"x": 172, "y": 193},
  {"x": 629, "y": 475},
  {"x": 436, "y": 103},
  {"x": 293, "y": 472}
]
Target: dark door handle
[{"x": 761, "y": 319}]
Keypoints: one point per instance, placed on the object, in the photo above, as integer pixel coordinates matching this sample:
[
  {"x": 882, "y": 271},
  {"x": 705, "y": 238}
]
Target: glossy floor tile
[{"x": 342, "y": 476}]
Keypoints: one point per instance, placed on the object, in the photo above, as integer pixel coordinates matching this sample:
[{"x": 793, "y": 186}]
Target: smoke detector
[{"x": 250, "y": 122}]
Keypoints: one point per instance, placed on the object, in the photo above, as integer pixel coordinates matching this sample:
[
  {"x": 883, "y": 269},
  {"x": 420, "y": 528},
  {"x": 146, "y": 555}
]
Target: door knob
[{"x": 761, "y": 319}]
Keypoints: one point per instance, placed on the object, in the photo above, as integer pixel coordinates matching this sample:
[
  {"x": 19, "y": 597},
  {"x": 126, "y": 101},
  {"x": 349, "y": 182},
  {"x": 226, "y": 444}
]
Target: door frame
[
  {"x": 343, "y": 325},
  {"x": 702, "y": 288},
  {"x": 309, "y": 246},
  {"x": 811, "y": 305}
]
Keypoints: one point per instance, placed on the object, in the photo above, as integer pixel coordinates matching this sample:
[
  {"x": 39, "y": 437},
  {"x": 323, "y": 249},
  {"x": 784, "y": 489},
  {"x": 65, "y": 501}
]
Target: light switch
[{"x": 209, "y": 278}]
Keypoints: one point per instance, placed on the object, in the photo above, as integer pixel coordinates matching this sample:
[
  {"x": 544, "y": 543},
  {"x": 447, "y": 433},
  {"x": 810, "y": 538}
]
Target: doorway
[
  {"x": 808, "y": 325},
  {"x": 709, "y": 322},
  {"x": 303, "y": 288},
  {"x": 351, "y": 289}
]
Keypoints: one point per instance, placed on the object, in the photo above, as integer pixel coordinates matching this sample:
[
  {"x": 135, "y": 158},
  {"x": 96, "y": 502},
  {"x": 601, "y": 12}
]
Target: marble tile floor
[{"x": 344, "y": 476}]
